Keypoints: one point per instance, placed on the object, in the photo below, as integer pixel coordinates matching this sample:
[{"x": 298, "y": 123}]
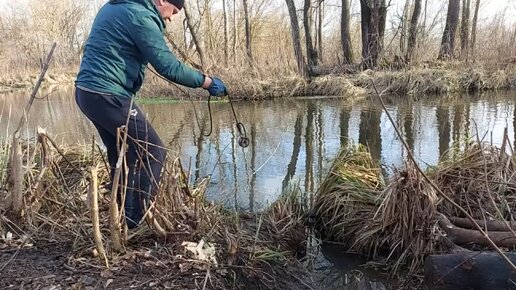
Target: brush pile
[
  {"x": 189, "y": 243},
  {"x": 407, "y": 220}
]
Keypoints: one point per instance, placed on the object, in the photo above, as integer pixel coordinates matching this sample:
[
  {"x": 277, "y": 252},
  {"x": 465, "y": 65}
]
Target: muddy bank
[
  {"x": 413, "y": 82},
  {"x": 68, "y": 235}
]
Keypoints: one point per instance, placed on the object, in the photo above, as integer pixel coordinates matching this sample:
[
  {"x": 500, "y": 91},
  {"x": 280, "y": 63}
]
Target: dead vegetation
[
  {"x": 188, "y": 243},
  {"x": 407, "y": 220}
]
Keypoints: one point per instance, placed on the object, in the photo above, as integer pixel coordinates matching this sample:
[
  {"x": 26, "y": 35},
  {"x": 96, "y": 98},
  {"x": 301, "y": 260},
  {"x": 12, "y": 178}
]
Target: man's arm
[{"x": 149, "y": 39}]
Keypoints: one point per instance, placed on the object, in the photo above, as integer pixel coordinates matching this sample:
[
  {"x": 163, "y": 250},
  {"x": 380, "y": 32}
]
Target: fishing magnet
[{"x": 243, "y": 142}]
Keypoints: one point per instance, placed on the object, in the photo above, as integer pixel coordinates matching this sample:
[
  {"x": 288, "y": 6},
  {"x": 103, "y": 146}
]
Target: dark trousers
[{"x": 145, "y": 152}]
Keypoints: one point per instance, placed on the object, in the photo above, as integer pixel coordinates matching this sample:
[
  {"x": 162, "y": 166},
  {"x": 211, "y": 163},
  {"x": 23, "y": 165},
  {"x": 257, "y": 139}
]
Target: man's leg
[
  {"x": 150, "y": 154},
  {"x": 109, "y": 113}
]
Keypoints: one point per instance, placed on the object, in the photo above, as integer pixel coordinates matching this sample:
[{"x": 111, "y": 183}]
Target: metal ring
[{"x": 243, "y": 142}]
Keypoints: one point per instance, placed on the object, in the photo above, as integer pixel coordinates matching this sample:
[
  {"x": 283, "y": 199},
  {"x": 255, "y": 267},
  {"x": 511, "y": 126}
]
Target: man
[{"x": 125, "y": 37}]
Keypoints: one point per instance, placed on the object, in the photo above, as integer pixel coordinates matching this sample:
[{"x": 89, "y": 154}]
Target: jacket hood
[{"x": 149, "y": 4}]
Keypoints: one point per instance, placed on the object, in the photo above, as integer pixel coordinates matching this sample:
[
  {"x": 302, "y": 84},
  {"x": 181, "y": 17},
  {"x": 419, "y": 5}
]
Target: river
[{"x": 293, "y": 140}]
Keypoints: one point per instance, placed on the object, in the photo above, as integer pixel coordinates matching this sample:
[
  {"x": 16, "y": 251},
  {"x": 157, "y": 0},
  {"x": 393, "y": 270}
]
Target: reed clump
[
  {"x": 401, "y": 223},
  {"x": 354, "y": 207},
  {"x": 186, "y": 239},
  {"x": 481, "y": 179}
]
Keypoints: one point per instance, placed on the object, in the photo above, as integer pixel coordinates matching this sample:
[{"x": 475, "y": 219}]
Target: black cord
[{"x": 243, "y": 141}]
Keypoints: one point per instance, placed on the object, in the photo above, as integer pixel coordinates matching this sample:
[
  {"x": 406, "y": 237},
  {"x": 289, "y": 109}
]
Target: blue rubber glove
[{"x": 217, "y": 88}]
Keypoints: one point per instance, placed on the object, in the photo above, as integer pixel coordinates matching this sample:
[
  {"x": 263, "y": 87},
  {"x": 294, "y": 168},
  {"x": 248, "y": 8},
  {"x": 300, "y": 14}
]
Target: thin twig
[
  {"x": 447, "y": 198},
  {"x": 44, "y": 69}
]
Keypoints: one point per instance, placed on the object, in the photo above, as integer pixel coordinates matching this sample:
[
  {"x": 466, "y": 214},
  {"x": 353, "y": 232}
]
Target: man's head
[{"x": 169, "y": 8}]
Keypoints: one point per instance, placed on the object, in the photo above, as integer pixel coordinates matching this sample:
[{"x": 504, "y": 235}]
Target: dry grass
[
  {"x": 250, "y": 251},
  {"x": 398, "y": 221},
  {"x": 417, "y": 82},
  {"x": 477, "y": 176},
  {"x": 347, "y": 197}
]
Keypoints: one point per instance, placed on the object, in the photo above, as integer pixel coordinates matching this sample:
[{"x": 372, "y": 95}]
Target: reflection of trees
[
  {"x": 408, "y": 121},
  {"x": 296, "y": 146},
  {"x": 309, "y": 147},
  {"x": 234, "y": 163},
  {"x": 370, "y": 132},
  {"x": 458, "y": 111},
  {"x": 253, "y": 167},
  {"x": 443, "y": 126},
  {"x": 345, "y": 115},
  {"x": 320, "y": 144},
  {"x": 198, "y": 144}
]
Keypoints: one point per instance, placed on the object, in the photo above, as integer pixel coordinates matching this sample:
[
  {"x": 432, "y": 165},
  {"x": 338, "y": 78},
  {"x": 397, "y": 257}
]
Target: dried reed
[{"x": 471, "y": 177}]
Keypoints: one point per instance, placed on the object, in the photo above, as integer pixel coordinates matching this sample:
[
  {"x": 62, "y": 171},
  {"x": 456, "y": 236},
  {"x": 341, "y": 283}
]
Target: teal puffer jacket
[{"x": 125, "y": 37}]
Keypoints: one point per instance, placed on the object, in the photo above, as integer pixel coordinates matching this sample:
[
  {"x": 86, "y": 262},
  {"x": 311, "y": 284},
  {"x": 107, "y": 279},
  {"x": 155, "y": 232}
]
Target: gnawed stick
[
  {"x": 15, "y": 182},
  {"x": 114, "y": 214},
  {"x": 15, "y": 204},
  {"x": 441, "y": 193},
  {"x": 94, "y": 205}
]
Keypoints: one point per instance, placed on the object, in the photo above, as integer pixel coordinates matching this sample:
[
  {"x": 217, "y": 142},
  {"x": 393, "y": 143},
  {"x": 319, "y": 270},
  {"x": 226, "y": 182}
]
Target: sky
[{"x": 489, "y": 8}]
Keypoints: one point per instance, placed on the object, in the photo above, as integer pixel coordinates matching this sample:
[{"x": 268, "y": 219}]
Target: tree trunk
[
  {"x": 319, "y": 31},
  {"x": 464, "y": 30},
  {"x": 373, "y": 15},
  {"x": 249, "y": 51},
  {"x": 450, "y": 30},
  {"x": 404, "y": 27},
  {"x": 195, "y": 39},
  {"x": 235, "y": 31},
  {"x": 469, "y": 270},
  {"x": 345, "y": 36},
  {"x": 226, "y": 41},
  {"x": 301, "y": 66},
  {"x": 464, "y": 237},
  {"x": 310, "y": 51},
  {"x": 411, "y": 45},
  {"x": 474, "y": 28},
  {"x": 489, "y": 225}
]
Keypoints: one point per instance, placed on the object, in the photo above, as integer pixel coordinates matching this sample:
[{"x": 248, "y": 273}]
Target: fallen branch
[
  {"x": 488, "y": 225},
  {"x": 463, "y": 237}
]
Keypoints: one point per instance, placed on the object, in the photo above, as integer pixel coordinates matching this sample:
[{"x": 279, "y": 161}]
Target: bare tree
[
  {"x": 373, "y": 14},
  {"x": 450, "y": 30},
  {"x": 247, "y": 33},
  {"x": 235, "y": 30},
  {"x": 195, "y": 38},
  {"x": 226, "y": 41},
  {"x": 474, "y": 28},
  {"x": 464, "y": 30},
  {"x": 310, "y": 51},
  {"x": 413, "y": 31},
  {"x": 404, "y": 24},
  {"x": 345, "y": 36},
  {"x": 296, "y": 41},
  {"x": 320, "y": 18}
]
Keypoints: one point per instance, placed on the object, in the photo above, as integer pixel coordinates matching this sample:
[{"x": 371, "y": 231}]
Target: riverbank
[
  {"x": 62, "y": 237},
  {"x": 245, "y": 85}
]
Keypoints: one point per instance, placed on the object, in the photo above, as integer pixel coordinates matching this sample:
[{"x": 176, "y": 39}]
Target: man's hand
[{"x": 216, "y": 88}]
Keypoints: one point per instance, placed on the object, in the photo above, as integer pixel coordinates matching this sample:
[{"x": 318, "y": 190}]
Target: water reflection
[{"x": 292, "y": 140}]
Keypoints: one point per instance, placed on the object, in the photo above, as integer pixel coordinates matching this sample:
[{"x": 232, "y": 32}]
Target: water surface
[{"x": 292, "y": 140}]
